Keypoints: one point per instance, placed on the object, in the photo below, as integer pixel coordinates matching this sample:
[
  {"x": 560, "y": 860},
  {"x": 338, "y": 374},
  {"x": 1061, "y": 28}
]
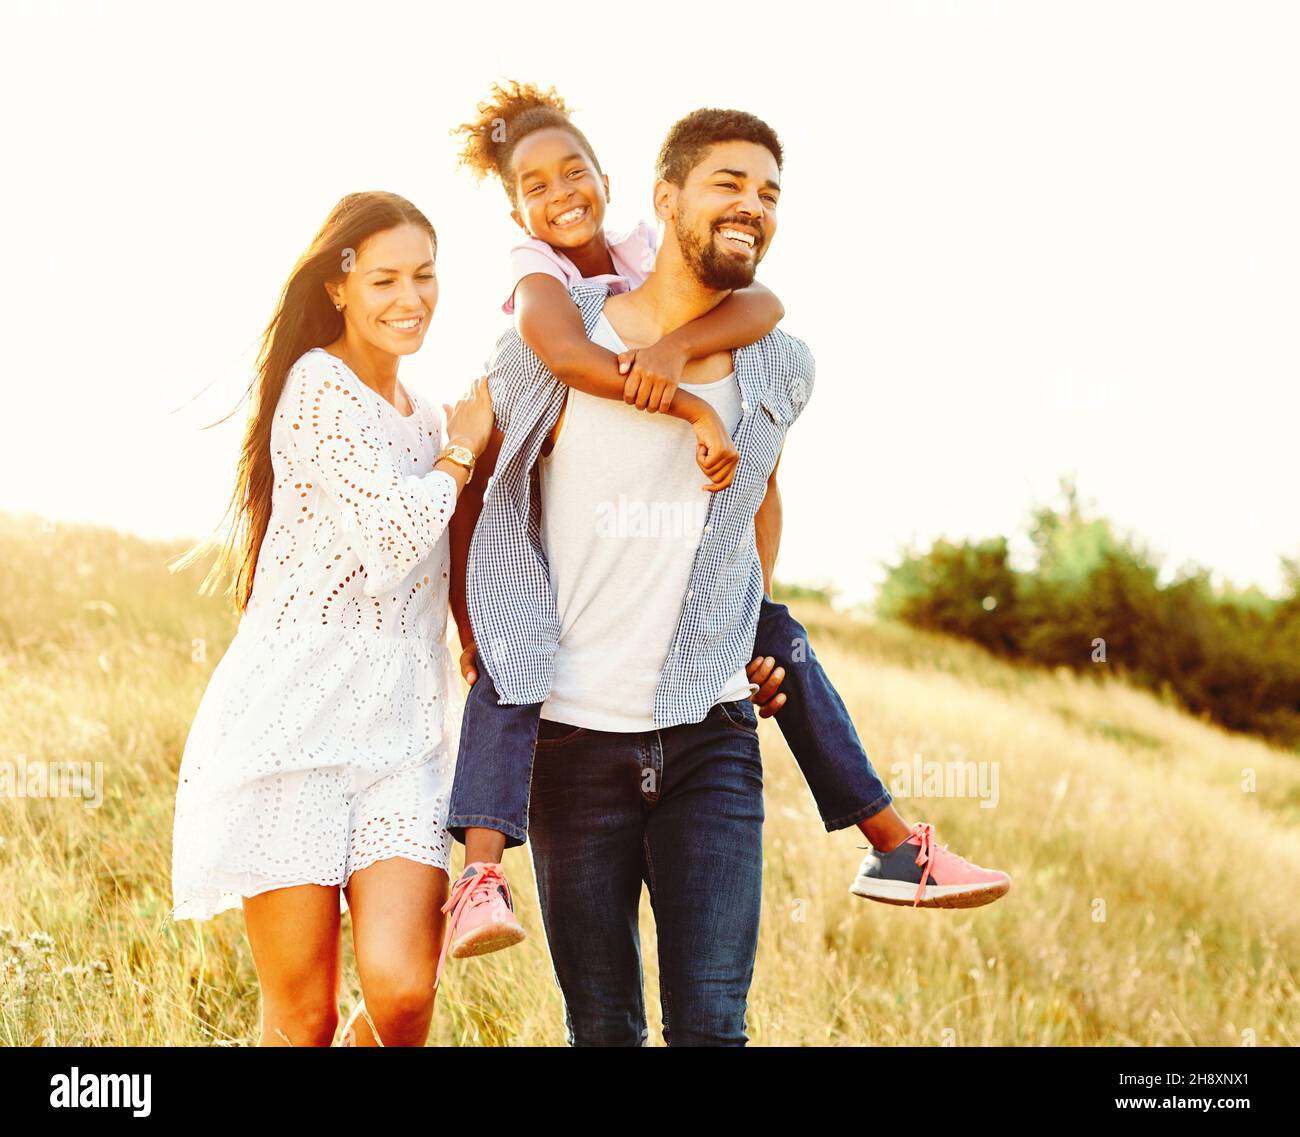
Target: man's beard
[{"x": 712, "y": 267}]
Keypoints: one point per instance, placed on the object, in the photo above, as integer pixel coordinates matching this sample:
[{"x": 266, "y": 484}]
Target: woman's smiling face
[
  {"x": 560, "y": 195},
  {"x": 388, "y": 294}
]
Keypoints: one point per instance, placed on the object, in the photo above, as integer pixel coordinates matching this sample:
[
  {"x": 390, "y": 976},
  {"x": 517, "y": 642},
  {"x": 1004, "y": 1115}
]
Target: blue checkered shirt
[{"x": 511, "y": 602}]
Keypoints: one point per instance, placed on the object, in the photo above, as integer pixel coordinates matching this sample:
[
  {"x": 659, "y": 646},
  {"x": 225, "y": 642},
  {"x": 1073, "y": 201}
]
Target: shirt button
[
  {"x": 709, "y": 527},
  {"x": 744, "y": 407},
  {"x": 690, "y": 594}
]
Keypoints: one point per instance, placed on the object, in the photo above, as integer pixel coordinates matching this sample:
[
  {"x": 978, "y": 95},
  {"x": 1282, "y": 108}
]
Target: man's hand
[
  {"x": 653, "y": 375},
  {"x": 764, "y": 671},
  {"x": 467, "y": 668}
]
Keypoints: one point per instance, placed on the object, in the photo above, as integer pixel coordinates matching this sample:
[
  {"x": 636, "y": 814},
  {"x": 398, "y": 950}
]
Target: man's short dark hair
[{"x": 691, "y": 136}]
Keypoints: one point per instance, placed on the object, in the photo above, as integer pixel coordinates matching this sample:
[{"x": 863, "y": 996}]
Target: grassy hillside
[{"x": 1155, "y": 858}]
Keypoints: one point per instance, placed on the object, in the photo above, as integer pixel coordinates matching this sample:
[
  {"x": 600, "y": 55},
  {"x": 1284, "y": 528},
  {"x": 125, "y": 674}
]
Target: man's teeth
[
  {"x": 736, "y": 235},
  {"x": 570, "y": 216},
  {"x": 404, "y": 325}
]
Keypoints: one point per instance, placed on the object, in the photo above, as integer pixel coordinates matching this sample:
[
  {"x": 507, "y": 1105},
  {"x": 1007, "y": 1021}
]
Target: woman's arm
[
  {"x": 398, "y": 517},
  {"x": 461, "y": 532}
]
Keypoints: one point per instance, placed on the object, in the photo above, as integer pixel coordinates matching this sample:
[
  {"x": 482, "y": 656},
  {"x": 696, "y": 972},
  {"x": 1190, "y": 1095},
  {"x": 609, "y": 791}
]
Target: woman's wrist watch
[{"x": 461, "y": 455}]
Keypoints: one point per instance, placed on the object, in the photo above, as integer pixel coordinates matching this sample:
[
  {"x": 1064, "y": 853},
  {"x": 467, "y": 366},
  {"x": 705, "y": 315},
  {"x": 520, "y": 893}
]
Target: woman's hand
[
  {"x": 764, "y": 672},
  {"x": 716, "y": 456},
  {"x": 653, "y": 375},
  {"x": 470, "y": 421}
]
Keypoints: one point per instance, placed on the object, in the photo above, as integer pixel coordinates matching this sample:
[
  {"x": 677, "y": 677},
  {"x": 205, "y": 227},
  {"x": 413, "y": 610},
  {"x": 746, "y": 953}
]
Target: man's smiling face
[{"x": 726, "y": 213}]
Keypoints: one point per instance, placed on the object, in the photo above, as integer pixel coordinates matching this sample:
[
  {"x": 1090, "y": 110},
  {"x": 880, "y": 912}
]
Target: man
[{"x": 635, "y": 634}]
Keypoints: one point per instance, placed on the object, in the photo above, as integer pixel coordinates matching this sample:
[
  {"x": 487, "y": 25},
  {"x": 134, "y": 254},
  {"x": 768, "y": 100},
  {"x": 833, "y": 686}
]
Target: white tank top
[{"x": 623, "y": 511}]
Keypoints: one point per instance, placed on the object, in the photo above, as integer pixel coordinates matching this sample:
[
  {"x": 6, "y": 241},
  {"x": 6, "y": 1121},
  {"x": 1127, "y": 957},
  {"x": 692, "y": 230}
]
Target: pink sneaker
[
  {"x": 926, "y": 875},
  {"x": 482, "y": 915}
]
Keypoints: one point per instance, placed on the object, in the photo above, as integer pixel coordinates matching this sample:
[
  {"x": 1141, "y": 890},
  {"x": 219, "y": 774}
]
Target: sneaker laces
[
  {"x": 478, "y": 888},
  {"x": 928, "y": 853},
  {"x": 923, "y": 831}
]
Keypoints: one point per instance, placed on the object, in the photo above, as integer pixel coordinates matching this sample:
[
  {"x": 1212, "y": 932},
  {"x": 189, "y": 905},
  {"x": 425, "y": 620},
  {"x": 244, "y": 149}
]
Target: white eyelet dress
[{"x": 326, "y": 736}]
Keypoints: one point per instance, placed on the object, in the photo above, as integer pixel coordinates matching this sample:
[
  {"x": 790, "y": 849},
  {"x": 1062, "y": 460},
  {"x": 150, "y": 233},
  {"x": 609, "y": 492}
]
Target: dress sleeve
[{"x": 398, "y": 517}]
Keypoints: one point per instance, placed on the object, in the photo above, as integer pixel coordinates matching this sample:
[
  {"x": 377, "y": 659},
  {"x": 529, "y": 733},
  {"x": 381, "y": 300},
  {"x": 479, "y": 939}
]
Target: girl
[
  {"x": 320, "y": 757},
  {"x": 558, "y": 194}
]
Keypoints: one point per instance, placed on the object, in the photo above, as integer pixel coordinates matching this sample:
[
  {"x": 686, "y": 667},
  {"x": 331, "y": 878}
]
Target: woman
[{"x": 320, "y": 758}]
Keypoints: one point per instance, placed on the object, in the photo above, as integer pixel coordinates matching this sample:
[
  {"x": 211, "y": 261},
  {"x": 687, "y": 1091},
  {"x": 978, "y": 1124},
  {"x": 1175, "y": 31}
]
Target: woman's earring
[{"x": 338, "y": 307}]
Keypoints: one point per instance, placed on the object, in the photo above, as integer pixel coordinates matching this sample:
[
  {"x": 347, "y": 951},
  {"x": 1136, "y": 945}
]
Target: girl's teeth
[
  {"x": 572, "y": 215},
  {"x": 403, "y": 324}
]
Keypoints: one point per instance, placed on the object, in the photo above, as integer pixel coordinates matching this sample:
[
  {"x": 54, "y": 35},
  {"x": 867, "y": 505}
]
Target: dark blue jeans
[
  {"x": 817, "y": 726},
  {"x": 494, "y": 765},
  {"x": 680, "y": 810}
]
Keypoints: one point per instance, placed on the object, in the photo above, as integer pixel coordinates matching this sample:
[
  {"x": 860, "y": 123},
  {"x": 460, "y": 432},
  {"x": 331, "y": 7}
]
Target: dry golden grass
[{"x": 1106, "y": 797}]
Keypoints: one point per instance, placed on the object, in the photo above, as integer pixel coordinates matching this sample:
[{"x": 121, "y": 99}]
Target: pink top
[{"x": 633, "y": 254}]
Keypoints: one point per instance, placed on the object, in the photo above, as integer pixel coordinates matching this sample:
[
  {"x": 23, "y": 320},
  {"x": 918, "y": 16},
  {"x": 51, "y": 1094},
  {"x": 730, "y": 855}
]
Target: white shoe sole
[
  {"x": 934, "y": 896},
  {"x": 487, "y": 938}
]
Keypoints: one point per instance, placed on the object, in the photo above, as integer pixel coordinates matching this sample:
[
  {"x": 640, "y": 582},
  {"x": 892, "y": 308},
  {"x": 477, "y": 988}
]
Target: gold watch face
[{"x": 461, "y": 455}]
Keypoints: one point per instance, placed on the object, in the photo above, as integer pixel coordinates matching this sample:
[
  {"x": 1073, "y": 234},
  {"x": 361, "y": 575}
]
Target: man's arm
[
  {"x": 763, "y": 670},
  {"x": 767, "y": 528},
  {"x": 461, "y": 530}
]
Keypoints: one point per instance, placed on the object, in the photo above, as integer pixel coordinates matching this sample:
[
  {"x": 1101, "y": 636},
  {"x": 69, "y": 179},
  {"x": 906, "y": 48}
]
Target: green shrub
[
  {"x": 965, "y": 590},
  {"x": 1093, "y": 597}
]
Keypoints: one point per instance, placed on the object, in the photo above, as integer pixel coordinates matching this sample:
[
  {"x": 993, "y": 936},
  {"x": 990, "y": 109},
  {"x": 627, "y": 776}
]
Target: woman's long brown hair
[{"x": 304, "y": 318}]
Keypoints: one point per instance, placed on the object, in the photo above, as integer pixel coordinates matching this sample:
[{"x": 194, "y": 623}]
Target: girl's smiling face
[
  {"x": 388, "y": 294},
  {"x": 559, "y": 194}
]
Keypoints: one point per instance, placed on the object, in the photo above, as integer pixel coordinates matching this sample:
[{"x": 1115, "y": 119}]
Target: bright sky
[{"x": 1023, "y": 239}]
